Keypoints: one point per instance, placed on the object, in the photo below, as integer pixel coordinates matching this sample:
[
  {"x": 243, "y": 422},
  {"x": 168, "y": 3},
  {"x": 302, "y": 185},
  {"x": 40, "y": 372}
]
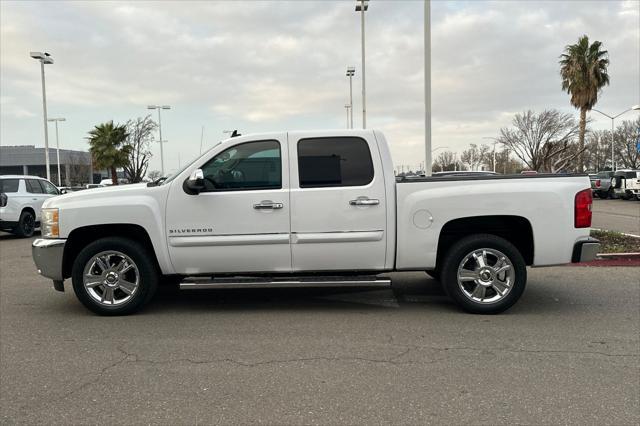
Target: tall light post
[
  {"x": 160, "y": 107},
  {"x": 58, "y": 146},
  {"x": 350, "y": 73},
  {"x": 634, "y": 108},
  {"x": 362, "y": 6},
  {"x": 45, "y": 59},
  {"x": 427, "y": 87},
  {"x": 347, "y": 107}
]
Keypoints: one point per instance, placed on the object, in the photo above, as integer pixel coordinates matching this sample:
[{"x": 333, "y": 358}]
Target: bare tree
[
  {"x": 475, "y": 156},
  {"x": 544, "y": 142},
  {"x": 154, "y": 175},
  {"x": 445, "y": 161},
  {"x": 627, "y": 136},
  {"x": 598, "y": 150},
  {"x": 505, "y": 164},
  {"x": 78, "y": 168},
  {"x": 140, "y": 136}
]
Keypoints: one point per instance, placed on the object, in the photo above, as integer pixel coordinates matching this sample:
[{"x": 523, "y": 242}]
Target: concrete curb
[{"x": 617, "y": 254}]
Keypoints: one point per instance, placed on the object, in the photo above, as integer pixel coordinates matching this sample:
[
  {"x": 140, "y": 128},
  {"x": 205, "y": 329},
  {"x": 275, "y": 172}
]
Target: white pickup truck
[{"x": 312, "y": 209}]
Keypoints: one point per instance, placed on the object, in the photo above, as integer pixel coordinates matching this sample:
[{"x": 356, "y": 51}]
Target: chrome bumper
[
  {"x": 585, "y": 250},
  {"x": 47, "y": 255}
]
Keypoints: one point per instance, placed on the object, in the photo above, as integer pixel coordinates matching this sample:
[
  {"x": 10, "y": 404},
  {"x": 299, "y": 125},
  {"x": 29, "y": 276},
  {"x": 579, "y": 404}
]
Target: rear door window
[
  {"x": 9, "y": 185},
  {"x": 340, "y": 161}
]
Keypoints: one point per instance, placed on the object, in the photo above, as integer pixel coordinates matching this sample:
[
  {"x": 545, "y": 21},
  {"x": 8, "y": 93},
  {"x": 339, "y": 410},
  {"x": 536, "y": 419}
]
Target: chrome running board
[{"x": 203, "y": 283}]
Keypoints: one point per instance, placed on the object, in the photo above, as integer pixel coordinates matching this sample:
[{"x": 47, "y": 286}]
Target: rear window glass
[
  {"x": 9, "y": 185},
  {"x": 628, "y": 175},
  {"x": 342, "y": 161},
  {"x": 33, "y": 186}
]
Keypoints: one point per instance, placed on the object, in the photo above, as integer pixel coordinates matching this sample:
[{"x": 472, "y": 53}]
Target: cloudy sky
[{"x": 264, "y": 66}]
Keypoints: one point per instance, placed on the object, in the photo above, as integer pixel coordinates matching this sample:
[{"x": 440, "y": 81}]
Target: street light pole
[
  {"x": 159, "y": 107},
  {"x": 634, "y": 108},
  {"x": 362, "y": 6},
  {"x": 58, "y": 147},
  {"x": 350, "y": 72},
  {"x": 44, "y": 58},
  {"x": 427, "y": 87},
  {"x": 347, "y": 107}
]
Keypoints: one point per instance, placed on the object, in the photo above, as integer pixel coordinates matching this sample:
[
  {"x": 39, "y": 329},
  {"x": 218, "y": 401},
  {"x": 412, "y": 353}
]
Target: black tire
[
  {"x": 26, "y": 224},
  {"x": 170, "y": 280},
  {"x": 147, "y": 270},
  {"x": 603, "y": 194},
  {"x": 464, "y": 247}
]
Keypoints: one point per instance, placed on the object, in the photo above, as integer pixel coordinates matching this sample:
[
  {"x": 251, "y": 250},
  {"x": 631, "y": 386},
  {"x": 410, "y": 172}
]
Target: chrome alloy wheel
[
  {"x": 111, "y": 278},
  {"x": 486, "y": 275}
]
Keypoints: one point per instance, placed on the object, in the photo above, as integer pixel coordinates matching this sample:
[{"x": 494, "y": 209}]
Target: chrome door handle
[
  {"x": 364, "y": 202},
  {"x": 267, "y": 205}
]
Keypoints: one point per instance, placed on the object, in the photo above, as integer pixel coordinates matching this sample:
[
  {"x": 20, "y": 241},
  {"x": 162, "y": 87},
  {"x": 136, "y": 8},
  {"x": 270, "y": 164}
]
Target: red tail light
[
  {"x": 597, "y": 183},
  {"x": 582, "y": 212}
]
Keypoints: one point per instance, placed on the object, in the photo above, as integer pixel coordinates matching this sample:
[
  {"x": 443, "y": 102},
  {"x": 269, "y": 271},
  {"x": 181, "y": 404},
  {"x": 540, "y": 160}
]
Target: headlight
[{"x": 50, "y": 223}]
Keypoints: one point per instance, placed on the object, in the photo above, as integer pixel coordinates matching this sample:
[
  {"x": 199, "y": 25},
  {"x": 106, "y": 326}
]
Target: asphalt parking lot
[
  {"x": 568, "y": 352},
  {"x": 617, "y": 215}
]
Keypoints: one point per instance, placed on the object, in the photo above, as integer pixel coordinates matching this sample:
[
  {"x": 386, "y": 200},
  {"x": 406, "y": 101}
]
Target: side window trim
[{"x": 255, "y": 188}]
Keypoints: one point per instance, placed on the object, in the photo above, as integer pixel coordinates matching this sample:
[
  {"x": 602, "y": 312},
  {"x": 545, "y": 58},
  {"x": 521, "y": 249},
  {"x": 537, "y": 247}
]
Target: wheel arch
[
  {"x": 30, "y": 210},
  {"x": 79, "y": 238},
  {"x": 515, "y": 229}
]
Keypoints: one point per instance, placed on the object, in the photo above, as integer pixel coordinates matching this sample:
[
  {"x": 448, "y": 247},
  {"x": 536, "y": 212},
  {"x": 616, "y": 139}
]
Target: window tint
[
  {"x": 251, "y": 165},
  {"x": 48, "y": 188},
  {"x": 334, "y": 162},
  {"x": 33, "y": 186},
  {"x": 9, "y": 185}
]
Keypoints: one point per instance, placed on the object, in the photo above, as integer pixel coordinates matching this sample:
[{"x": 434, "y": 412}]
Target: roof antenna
[{"x": 235, "y": 133}]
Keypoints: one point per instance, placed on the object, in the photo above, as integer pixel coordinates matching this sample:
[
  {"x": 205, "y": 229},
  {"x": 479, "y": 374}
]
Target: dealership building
[{"x": 75, "y": 166}]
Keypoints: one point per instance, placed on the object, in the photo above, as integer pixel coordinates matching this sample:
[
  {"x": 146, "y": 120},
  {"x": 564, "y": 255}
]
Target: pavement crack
[
  {"x": 393, "y": 360},
  {"x": 98, "y": 377}
]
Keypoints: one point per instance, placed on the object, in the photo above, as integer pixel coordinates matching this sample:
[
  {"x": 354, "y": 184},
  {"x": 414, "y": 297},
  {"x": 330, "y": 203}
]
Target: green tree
[
  {"x": 583, "y": 68},
  {"x": 108, "y": 147}
]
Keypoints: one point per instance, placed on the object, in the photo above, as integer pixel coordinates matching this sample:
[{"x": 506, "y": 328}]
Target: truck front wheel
[
  {"x": 484, "y": 274},
  {"x": 114, "y": 276}
]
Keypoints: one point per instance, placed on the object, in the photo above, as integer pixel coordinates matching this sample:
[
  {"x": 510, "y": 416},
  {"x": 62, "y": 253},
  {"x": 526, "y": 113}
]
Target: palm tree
[
  {"x": 108, "y": 148},
  {"x": 583, "y": 68}
]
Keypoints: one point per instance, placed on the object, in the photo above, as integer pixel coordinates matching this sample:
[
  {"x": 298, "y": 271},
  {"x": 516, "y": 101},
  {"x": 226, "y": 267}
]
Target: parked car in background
[
  {"x": 21, "y": 199},
  {"x": 601, "y": 184},
  {"x": 626, "y": 183}
]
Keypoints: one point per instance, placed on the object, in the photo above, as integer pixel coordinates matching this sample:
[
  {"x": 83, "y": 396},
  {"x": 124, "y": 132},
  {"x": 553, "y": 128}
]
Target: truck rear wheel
[
  {"x": 114, "y": 276},
  {"x": 484, "y": 274}
]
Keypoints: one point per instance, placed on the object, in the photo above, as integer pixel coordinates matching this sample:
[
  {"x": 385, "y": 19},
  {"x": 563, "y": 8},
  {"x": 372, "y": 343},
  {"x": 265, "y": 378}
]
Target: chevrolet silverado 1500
[{"x": 312, "y": 209}]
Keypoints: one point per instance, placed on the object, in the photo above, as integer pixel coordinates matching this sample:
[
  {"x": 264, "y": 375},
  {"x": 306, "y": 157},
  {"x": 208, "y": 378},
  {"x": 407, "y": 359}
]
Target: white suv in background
[{"x": 21, "y": 199}]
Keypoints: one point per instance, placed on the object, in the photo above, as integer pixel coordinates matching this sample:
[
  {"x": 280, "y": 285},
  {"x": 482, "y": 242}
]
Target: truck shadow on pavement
[{"x": 407, "y": 293}]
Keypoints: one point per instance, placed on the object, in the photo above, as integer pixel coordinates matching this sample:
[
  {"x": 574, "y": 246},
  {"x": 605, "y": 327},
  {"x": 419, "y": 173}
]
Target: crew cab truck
[{"x": 316, "y": 208}]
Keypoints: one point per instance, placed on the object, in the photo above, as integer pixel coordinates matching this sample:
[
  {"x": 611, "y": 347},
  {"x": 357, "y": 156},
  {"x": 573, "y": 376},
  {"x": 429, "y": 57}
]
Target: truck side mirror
[{"x": 195, "y": 184}]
